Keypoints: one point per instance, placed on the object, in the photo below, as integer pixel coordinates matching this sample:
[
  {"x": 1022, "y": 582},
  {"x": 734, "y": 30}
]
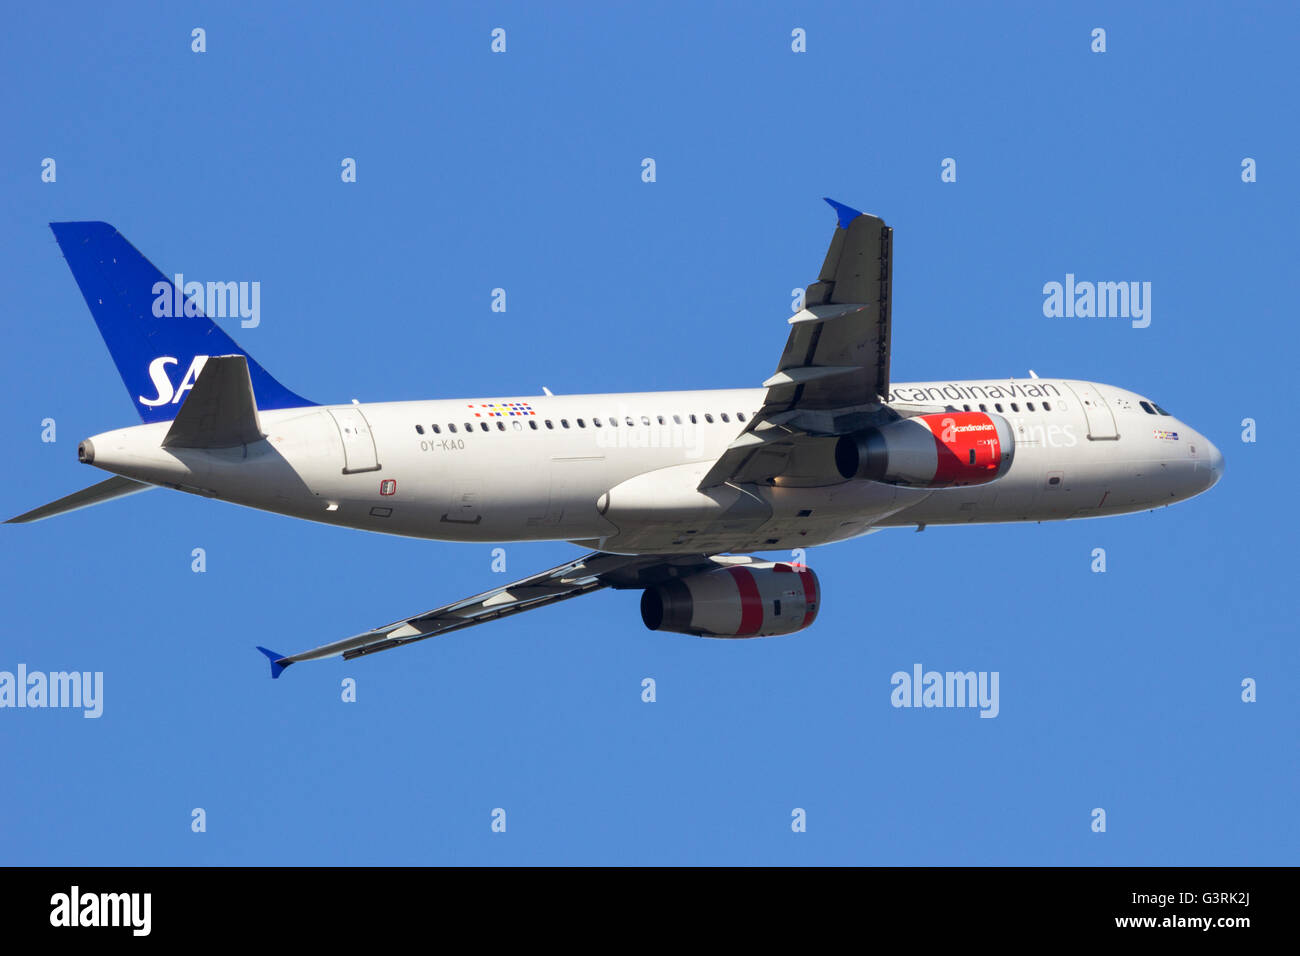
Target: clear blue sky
[{"x": 523, "y": 171}]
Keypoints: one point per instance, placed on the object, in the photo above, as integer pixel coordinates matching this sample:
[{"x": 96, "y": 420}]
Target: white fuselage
[{"x": 540, "y": 468}]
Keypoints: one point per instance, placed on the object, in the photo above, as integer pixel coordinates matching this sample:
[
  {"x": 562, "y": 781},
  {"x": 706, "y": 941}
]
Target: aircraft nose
[{"x": 1216, "y": 463}]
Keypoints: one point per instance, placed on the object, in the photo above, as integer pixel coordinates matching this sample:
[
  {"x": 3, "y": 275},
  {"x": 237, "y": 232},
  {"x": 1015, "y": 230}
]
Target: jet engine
[
  {"x": 948, "y": 449},
  {"x": 752, "y": 600}
]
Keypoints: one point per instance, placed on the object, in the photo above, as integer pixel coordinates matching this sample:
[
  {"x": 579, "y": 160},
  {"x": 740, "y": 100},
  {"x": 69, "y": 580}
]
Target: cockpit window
[
  {"x": 1160, "y": 410},
  {"x": 1146, "y": 407}
]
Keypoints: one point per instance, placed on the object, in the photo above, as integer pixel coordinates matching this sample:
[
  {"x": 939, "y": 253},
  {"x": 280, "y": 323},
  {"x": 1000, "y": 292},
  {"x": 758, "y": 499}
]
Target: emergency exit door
[
  {"x": 1101, "y": 420},
  {"x": 358, "y": 444}
]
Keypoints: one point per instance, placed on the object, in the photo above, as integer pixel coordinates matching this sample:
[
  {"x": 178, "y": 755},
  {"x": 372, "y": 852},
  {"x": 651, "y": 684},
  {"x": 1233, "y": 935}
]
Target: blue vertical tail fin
[{"x": 159, "y": 338}]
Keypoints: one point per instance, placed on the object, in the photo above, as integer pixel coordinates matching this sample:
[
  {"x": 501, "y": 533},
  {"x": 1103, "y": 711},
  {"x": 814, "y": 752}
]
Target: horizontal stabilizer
[
  {"x": 114, "y": 487},
  {"x": 278, "y": 663},
  {"x": 220, "y": 411}
]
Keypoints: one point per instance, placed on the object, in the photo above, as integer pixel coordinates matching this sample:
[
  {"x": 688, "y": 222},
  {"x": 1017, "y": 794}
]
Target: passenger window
[
  {"x": 983, "y": 408},
  {"x": 1029, "y": 405},
  {"x": 629, "y": 421},
  {"x": 1015, "y": 407},
  {"x": 677, "y": 419},
  {"x": 1147, "y": 408},
  {"x": 725, "y": 417},
  {"x": 708, "y": 418},
  {"x": 595, "y": 423},
  {"x": 550, "y": 424},
  {"x": 564, "y": 423},
  {"x": 437, "y": 429},
  {"x": 532, "y": 423},
  {"x": 740, "y": 416},
  {"x": 965, "y": 408},
  {"x": 613, "y": 422},
  {"x": 469, "y": 426},
  {"x": 501, "y": 426},
  {"x": 662, "y": 420},
  {"x": 693, "y": 420},
  {"x": 998, "y": 406},
  {"x": 581, "y": 423},
  {"x": 483, "y": 425},
  {"x": 419, "y": 429},
  {"x": 452, "y": 427},
  {"x": 1047, "y": 406},
  {"x": 645, "y": 419}
]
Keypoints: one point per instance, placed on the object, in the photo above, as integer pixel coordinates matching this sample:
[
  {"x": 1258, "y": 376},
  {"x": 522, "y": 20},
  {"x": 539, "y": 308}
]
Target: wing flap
[
  {"x": 802, "y": 375},
  {"x": 771, "y": 446}
]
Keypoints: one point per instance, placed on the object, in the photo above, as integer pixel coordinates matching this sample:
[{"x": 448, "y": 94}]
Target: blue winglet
[
  {"x": 846, "y": 213},
  {"x": 276, "y": 667}
]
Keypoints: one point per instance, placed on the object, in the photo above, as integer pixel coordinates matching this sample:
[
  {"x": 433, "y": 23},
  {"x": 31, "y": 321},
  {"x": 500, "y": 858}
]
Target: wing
[
  {"x": 838, "y": 351},
  {"x": 589, "y": 573},
  {"x": 833, "y": 376}
]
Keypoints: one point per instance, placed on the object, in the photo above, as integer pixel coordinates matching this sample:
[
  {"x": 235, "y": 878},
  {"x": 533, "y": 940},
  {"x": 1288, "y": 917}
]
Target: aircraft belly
[{"x": 765, "y": 518}]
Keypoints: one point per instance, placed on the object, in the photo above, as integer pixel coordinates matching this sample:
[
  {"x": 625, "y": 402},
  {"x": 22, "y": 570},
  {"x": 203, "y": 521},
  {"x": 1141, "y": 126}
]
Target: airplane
[{"x": 668, "y": 491}]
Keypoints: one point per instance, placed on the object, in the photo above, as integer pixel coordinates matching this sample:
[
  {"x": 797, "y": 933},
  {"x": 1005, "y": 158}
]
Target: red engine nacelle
[
  {"x": 930, "y": 451},
  {"x": 752, "y": 600}
]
